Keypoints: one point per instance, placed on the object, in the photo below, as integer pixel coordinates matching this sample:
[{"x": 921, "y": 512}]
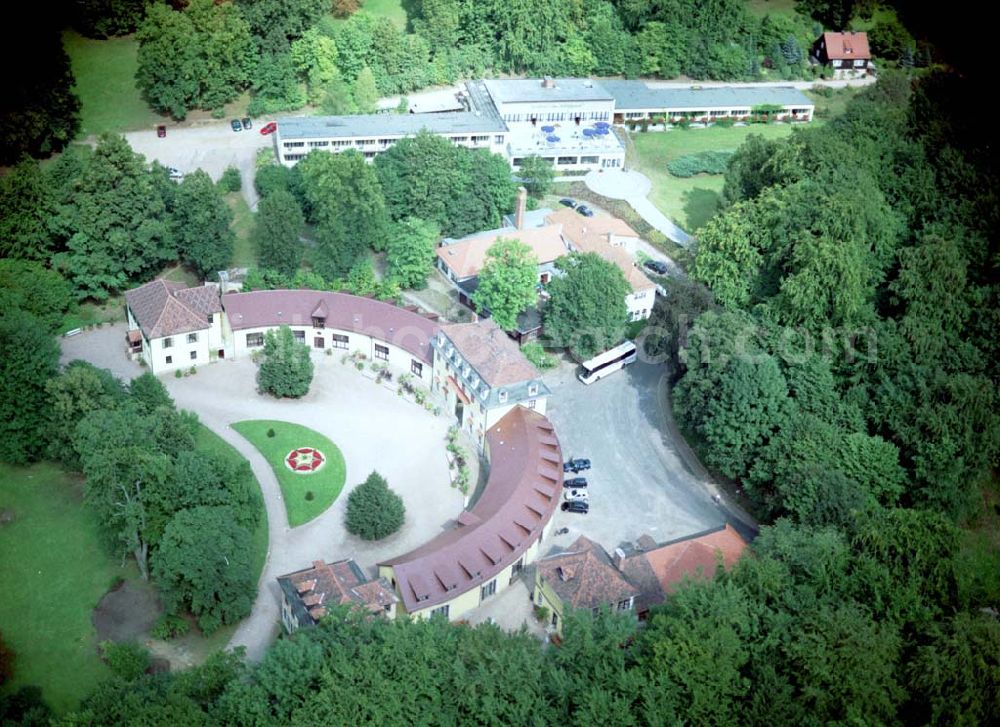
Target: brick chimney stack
[{"x": 522, "y": 205}]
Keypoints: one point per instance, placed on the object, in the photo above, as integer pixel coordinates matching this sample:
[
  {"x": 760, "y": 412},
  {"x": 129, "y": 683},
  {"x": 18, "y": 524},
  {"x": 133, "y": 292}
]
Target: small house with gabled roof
[{"x": 171, "y": 326}]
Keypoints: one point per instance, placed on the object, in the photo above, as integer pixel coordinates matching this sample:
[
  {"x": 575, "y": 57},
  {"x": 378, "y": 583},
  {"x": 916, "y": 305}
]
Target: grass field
[
  {"x": 53, "y": 571},
  {"x": 244, "y": 251},
  {"x": 690, "y": 202},
  {"x": 105, "y": 83},
  {"x": 325, "y": 484}
]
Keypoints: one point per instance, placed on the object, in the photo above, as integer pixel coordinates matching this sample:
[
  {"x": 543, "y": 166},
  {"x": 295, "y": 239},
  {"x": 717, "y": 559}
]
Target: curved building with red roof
[{"x": 491, "y": 542}]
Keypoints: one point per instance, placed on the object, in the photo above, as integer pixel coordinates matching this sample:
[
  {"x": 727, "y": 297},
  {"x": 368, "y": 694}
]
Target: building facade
[
  {"x": 482, "y": 375},
  {"x": 494, "y": 541},
  {"x": 307, "y": 594},
  {"x": 845, "y": 53},
  {"x": 172, "y": 327}
]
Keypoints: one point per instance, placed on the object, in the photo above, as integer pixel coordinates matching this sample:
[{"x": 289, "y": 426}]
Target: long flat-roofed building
[
  {"x": 563, "y": 120},
  {"x": 635, "y": 100}
]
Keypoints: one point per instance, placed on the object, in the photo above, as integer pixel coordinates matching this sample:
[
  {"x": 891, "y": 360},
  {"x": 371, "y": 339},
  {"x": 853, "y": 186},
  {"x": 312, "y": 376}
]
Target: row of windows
[
  {"x": 193, "y": 356},
  {"x": 337, "y": 340},
  {"x": 560, "y": 116},
  {"x": 191, "y": 338},
  {"x": 562, "y": 161}
]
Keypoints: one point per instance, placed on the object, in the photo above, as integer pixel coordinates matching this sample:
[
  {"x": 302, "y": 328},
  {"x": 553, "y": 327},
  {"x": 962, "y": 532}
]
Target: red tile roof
[
  {"x": 584, "y": 576},
  {"x": 409, "y": 331},
  {"x": 493, "y": 354},
  {"x": 846, "y": 46},
  {"x": 519, "y": 498},
  {"x": 658, "y": 572},
  {"x": 467, "y": 256},
  {"x": 341, "y": 582},
  {"x": 165, "y": 308}
]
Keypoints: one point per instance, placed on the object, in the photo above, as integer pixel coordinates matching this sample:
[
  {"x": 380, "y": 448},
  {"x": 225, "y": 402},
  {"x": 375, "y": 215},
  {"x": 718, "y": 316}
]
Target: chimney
[
  {"x": 619, "y": 558},
  {"x": 522, "y": 203}
]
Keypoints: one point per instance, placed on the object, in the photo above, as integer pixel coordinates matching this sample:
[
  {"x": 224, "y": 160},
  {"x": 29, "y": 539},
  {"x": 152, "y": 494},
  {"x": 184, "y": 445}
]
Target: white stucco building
[{"x": 563, "y": 120}]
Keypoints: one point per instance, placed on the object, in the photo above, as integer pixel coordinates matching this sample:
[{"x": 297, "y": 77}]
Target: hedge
[{"x": 706, "y": 162}]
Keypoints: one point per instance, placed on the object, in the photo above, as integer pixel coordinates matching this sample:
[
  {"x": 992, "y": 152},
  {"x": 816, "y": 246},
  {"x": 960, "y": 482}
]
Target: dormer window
[
  {"x": 319, "y": 322},
  {"x": 502, "y": 397},
  {"x": 532, "y": 389}
]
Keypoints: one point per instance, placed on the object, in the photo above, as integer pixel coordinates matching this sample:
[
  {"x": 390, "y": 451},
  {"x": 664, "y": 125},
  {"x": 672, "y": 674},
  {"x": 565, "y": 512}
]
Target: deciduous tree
[
  {"x": 277, "y": 232},
  {"x": 25, "y": 216},
  {"x": 508, "y": 282},
  {"x": 410, "y": 251},
  {"x": 201, "y": 225},
  {"x": 587, "y": 312},
  {"x": 203, "y": 565},
  {"x": 536, "y": 175},
  {"x": 29, "y": 357}
]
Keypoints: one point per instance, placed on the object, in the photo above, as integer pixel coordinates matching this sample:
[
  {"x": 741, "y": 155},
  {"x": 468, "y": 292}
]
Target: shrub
[
  {"x": 230, "y": 180},
  {"x": 310, "y": 496},
  {"x": 706, "y": 162},
  {"x": 270, "y": 434},
  {"x": 126, "y": 660},
  {"x": 373, "y": 510},
  {"x": 178, "y": 374},
  {"x": 170, "y": 627},
  {"x": 536, "y": 354}
]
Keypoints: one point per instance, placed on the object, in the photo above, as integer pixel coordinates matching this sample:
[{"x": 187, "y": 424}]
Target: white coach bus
[{"x": 607, "y": 362}]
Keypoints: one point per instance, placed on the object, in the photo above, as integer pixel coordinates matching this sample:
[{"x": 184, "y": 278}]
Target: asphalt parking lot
[
  {"x": 638, "y": 483},
  {"x": 211, "y": 147}
]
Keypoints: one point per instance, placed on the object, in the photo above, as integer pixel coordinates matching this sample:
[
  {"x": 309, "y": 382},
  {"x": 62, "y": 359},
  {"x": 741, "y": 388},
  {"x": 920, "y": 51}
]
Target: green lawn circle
[{"x": 325, "y": 484}]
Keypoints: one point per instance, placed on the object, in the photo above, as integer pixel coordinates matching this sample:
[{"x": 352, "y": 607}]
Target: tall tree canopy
[
  {"x": 460, "y": 190},
  {"x": 201, "y": 225},
  {"x": 277, "y": 232},
  {"x": 587, "y": 312},
  {"x": 29, "y": 357},
  {"x": 508, "y": 282},
  {"x": 199, "y": 57},
  {"x": 345, "y": 203},
  {"x": 39, "y": 113},
  {"x": 116, "y": 221}
]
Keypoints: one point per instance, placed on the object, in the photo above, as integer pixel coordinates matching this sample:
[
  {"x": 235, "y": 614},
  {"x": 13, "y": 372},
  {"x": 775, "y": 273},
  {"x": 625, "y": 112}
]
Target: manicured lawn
[
  {"x": 690, "y": 202},
  {"x": 244, "y": 252},
  {"x": 761, "y": 8},
  {"x": 105, "y": 83},
  {"x": 53, "y": 571},
  {"x": 325, "y": 484}
]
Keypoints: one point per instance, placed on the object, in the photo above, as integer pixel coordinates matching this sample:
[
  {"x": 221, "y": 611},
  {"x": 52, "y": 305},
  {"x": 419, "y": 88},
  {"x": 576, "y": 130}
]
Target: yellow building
[
  {"x": 492, "y": 542},
  {"x": 581, "y": 577}
]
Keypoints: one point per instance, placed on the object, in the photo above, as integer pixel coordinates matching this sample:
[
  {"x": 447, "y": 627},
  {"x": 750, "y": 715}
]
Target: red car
[
  {"x": 269, "y": 128},
  {"x": 161, "y": 131}
]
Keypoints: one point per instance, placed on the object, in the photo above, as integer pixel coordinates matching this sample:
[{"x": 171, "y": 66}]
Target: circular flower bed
[{"x": 304, "y": 460}]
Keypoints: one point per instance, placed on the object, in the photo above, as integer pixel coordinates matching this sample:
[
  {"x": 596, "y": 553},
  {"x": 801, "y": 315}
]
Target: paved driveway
[
  {"x": 639, "y": 483},
  {"x": 633, "y": 186},
  {"x": 211, "y": 147}
]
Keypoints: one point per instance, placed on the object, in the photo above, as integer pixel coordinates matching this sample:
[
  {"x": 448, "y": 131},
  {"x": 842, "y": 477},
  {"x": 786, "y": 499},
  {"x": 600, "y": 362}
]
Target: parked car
[
  {"x": 175, "y": 173},
  {"x": 657, "y": 266},
  {"x": 568, "y": 202},
  {"x": 575, "y": 482},
  {"x": 268, "y": 128},
  {"x": 580, "y": 506},
  {"x": 585, "y": 210},
  {"x": 576, "y": 465},
  {"x": 161, "y": 131},
  {"x": 571, "y": 495},
  {"x": 247, "y": 123},
  {"x": 237, "y": 126}
]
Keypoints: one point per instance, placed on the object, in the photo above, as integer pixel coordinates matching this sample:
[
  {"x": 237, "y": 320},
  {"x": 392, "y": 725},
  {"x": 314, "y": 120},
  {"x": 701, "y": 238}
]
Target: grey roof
[
  {"x": 373, "y": 125},
  {"x": 530, "y": 90},
  {"x": 637, "y": 95}
]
